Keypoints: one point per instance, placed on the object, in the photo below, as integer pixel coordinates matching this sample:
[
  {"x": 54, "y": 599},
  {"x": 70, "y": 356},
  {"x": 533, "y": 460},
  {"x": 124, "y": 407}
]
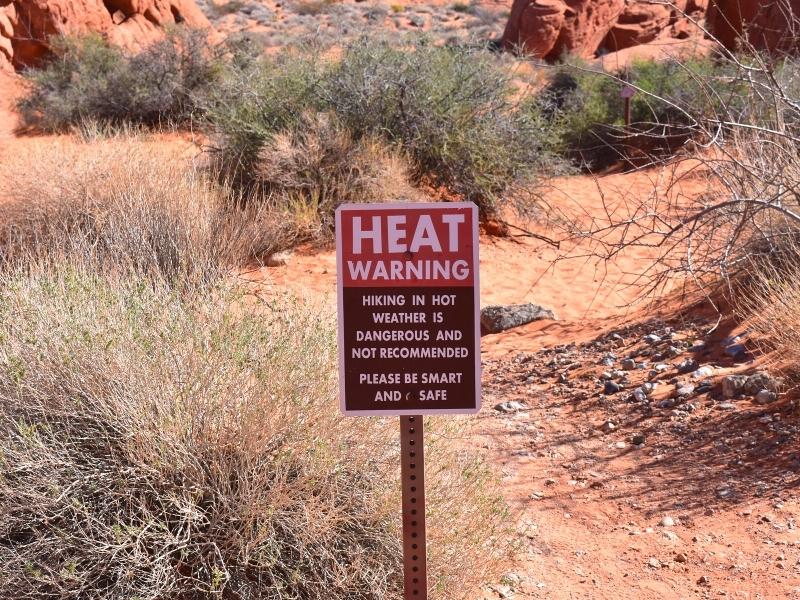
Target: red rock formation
[
  {"x": 768, "y": 24},
  {"x": 642, "y": 22},
  {"x": 551, "y": 28},
  {"x": 26, "y": 25},
  {"x": 536, "y": 25}
]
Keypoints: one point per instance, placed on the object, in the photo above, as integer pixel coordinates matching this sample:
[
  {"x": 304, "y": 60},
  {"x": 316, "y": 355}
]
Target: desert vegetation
[{"x": 167, "y": 430}]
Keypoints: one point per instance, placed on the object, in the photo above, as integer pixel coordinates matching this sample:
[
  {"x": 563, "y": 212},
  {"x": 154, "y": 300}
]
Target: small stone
[
  {"x": 652, "y": 339},
  {"x": 688, "y": 366},
  {"x": 607, "y": 362},
  {"x": 608, "y": 427},
  {"x": 681, "y": 558},
  {"x": 661, "y": 367},
  {"x": 733, "y": 386},
  {"x": 620, "y": 445},
  {"x": 628, "y": 364},
  {"x": 510, "y": 406},
  {"x": 760, "y": 381},
  {"x": 638, "y": 439},
  {"x": 669, "y": 535},
  {"x": 673, "y": 351},
  {"x": 654, "y": 563},
  {"x": 704, "y": 580},
  {"x": 726, "y": 406},
  {"x": 640, "y": 395},
  {"x": 649, "y": 387},
  {"x": 550, "y": 481},
  {"x": 766, "y": 397},
  {"x": 684, "y": 391},
  {"x": 611, "y": 387},
  {"x": 737, "y": 351},
  {"x": 667, "y": 521},
  {"x": 703, "y": 372},
  {"x": 279, "y": 259}
]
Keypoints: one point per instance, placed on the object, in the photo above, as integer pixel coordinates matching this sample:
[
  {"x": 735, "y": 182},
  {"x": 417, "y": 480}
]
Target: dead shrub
[
  {"x": 164, "y": 445},
  {"x": 128, "y": 203},
  {"x": 318, "y": 165}
]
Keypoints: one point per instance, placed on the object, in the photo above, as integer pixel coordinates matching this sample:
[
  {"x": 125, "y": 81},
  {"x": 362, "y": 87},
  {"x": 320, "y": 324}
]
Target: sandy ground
[{"x": 705, "y": 507}]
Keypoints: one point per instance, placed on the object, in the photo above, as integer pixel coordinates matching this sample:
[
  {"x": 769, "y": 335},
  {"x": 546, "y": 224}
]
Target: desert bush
[
  {"x": 127, "y": 202},
  {"x": 317, "y": 164},
  {"x": 159, "y": 445},
  {"x": 726, "y": 205},
  {"x": 449, "y": 109},
  {"x": 90, "y": 79},
  {"x": 672, "y": 98},
  {"x": 258, "y": 98}
]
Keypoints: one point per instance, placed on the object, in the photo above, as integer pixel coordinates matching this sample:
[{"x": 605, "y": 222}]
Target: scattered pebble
[
  {"x": 511, "y": 406},
  {"x": 766, "y": 397}
]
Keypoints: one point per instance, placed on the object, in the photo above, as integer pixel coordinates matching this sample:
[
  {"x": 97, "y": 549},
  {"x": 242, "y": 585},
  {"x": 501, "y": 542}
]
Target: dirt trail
[{"x": 705, "y": 506}]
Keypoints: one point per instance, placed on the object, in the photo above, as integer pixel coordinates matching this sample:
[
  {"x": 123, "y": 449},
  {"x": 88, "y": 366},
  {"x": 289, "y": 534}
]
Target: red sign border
[{"x": 475, "y": 290}]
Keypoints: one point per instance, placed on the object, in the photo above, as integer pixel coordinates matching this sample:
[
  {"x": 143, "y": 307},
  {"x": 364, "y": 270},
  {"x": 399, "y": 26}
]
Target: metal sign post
[
  {"x": 409, "y": 333},
  {"x": 412, "y": 476}
]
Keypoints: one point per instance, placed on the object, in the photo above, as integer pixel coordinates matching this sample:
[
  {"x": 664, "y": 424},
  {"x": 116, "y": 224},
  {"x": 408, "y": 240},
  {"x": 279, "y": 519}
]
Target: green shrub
[
  {"x": 161, "y": 445},
  {"x": 450, "y": 109},
  {"x": 90, "y": 79},
  {"x": 588, "y": 115}
]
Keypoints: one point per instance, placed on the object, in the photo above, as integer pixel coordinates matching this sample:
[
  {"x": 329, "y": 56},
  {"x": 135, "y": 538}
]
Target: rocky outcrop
[
  {"x": 27, "y": 25},
  {"x": 552, "y": 28},
  {"x": 643, "y": 22},
  {"x": 767, "y": 24}
]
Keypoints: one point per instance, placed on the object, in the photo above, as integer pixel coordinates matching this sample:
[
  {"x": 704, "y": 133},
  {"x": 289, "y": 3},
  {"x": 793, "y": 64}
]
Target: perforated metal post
[{"x": 412, "y": 474}]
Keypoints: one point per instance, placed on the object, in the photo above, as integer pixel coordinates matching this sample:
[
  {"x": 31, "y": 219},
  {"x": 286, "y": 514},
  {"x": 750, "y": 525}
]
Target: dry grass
[
  {"x": 160, "y": 445},
  {"x": 767, "y": 297},
  {"x": 318, "y": 165},
  {"x": 132, "y": 202},
  {"x": 165, "y": 433}
]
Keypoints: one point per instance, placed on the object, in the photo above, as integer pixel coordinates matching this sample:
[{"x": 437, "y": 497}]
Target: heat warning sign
[{"x": 408, "y": 308}]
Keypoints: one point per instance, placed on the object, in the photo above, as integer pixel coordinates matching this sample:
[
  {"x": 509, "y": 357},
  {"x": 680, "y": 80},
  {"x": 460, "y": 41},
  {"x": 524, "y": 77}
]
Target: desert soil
[{"x": 681, "y": 495}]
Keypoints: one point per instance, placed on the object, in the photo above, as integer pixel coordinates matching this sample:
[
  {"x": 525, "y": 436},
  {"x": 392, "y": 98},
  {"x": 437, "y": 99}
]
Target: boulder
[
  {"x": 551, "y": 28},
  {"x": 768, "y": 24},
  {"x": 495, "y": 319},
  {"x": 581, "y": 24},
  {"x": 27, "y": 25},
  {"x": 638, "y": 24},
  {"x": 535, "y": 26}
]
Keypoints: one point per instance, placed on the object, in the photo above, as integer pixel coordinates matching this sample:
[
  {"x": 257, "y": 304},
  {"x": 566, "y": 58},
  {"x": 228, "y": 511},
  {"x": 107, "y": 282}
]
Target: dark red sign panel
[{"x": 409, "y": 341}]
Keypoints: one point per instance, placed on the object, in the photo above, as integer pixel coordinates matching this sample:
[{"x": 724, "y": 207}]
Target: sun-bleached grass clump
[
  {"x": 132, "y": 202},
  {"x": 318, "y": 165},
  {"x": 158, "y": 444}
]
